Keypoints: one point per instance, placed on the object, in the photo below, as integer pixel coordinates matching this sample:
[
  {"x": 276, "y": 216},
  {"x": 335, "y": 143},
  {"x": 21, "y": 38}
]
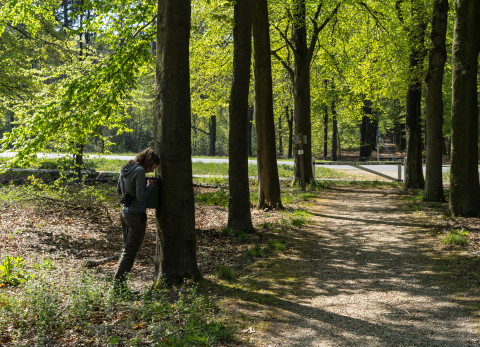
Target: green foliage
[
  {"x": 226, "y": 273},
  {"x": 189, "y": 321},
  {"x": 51, "y": 304},
  {"x": 456, "y": 237},
  {"x": 218, "y": 197},
  {"x": 256, "y": 251},
  {"x": 276, "y": 245},
  {"x": 13, "y": 271}
]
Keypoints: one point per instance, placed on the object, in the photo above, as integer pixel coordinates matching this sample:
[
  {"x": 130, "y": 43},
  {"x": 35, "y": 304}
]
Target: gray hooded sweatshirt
[{"x": 132, "y": 180}]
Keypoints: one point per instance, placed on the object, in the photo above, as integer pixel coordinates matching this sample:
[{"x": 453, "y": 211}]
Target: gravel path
[{"x": 356, "y": 276}]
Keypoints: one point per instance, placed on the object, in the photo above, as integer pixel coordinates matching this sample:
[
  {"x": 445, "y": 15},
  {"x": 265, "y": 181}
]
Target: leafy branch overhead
[{"x": 70, "y": 99}]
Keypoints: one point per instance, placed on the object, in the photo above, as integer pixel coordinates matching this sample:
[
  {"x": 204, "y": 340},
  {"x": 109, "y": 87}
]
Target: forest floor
[
  {"x": 367, "y": 270},
  {"x": 364, "y": 266}
]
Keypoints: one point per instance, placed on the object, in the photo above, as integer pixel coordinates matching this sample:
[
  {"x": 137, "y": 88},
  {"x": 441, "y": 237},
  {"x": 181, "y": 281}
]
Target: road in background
[{"x": 390, "y": 170}]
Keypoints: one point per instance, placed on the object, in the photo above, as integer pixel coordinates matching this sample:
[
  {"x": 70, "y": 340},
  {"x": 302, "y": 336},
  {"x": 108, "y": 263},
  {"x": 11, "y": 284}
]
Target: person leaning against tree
[{"x": 134, "y": 189}]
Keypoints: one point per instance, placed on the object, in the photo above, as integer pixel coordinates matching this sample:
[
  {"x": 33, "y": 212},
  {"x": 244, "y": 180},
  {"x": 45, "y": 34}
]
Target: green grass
[
  {"x": 456, "y": 237},
  {"x": 218, "y": 197}
]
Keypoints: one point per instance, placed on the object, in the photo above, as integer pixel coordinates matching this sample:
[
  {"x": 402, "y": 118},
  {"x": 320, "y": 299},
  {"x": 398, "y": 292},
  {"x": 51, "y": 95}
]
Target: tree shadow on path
[{"x": 353, "y": 277}]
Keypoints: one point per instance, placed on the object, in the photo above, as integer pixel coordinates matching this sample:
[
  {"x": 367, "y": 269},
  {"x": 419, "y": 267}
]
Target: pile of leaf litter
[{"x": 48, "y": 297}]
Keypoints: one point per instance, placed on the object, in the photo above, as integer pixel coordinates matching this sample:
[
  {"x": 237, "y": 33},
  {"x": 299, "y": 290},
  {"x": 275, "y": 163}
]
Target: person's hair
[{"x": 146, "y": 158}]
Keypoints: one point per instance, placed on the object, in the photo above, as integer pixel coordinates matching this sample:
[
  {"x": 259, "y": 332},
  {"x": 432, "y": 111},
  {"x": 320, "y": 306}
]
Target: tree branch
[
  {"x": 287, "y": 67},
  {"x": 284, "y": 37},
  {"x": 317, "y": 29},
  {"x": 377, "y": 21}
]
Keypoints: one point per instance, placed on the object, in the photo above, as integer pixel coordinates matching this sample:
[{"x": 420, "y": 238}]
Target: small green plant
[
  {"x": 256, "y": 251},
  {"x": 12, "y": 271},
  {"x": 456, "y": 237},
  {"x": 226, "y": 231},
  {"x": 298, "y": 222},
  {"x": 276, "y": 245},
  {"x": 226, "y": 273},
  {"x": 241, "y": 236}
]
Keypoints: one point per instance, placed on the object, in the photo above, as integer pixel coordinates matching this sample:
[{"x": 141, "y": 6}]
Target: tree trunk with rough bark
[
  {"x": 434, "y": 103},
  {"x": 464, "y": 185},
  {"x": 176, "y": 239},
  {"x": 239, "y": 217},
  {"x": 268, "y": 182},
  {"x": 301, "y": 95},
  {"x": 413, "y": 118}
]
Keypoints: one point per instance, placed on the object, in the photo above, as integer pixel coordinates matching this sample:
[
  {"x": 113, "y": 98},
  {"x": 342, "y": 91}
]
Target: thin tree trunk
[
  {"x": 250, "y": 130},
  {"x": 434, "y": 103},
  {"x": 325, "y": 132},
  {"x": 268, "y": 182},
  {"x": 280, "y": 136},
  {"x": 213, "y": 135},
  {"x": 334, "y": 132},
  {"x": 367, "y": 129},
  {"x": 239, "y": 217},
  {"x": 290, "y": 133},
  {"x": 464, "y": 185},
  {"x": 176, "y": 239}
]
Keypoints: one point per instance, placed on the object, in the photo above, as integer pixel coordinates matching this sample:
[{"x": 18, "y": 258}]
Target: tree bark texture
[
  {"x": 268, "y": 182},
  {"x": 434, "y": 103},
  {"x": 413, "y": 118},
  {"x": 464, "y": 185},
  {"x": 239, "y": 217},
  {"x": 301, "y": 94},
  {"x": 176, "y": 239}
]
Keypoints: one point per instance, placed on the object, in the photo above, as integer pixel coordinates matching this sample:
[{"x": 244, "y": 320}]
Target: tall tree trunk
[
  {"x": 176, "y": 257},
  {"x": 301, "y": 95},
  {"x": 434, "y": 103},
  {"x": 464, "y": 186},
  {"x": 213, "y": 135},
  {"x": 413, "y": 119},
  {"x": 239, "y": 218},
  {"x": 290, "y": 133},
  {"x": 268, "y": 182},
  {"x": 334, "y": 132},
  {"x": 325, "y": 132}
]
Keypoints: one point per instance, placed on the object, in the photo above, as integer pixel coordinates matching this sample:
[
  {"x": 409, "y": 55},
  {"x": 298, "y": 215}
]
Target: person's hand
[{"x": 151, "y": 182}]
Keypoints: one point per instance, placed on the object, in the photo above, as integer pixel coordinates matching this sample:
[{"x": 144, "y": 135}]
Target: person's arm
[
  {"x": 119, "y": 185},
  {"x": 140, "y": 184}
]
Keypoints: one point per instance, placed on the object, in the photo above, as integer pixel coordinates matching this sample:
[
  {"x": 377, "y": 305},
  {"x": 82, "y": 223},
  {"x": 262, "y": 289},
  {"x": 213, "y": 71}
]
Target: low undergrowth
[
  {"x": 57, "y": 308},
  {"x": 47, "y": 300}
]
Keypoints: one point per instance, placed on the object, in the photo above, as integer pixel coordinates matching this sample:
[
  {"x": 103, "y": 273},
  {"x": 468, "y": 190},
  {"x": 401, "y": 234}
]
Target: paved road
[{"x": 391, "y": 170}]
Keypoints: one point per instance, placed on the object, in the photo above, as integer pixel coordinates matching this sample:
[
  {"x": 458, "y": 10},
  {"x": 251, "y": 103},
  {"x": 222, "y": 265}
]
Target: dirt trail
[{"x": 356, "y": 276}]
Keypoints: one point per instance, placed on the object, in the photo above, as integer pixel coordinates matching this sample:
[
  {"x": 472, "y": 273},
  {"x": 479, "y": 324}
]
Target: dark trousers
[{"x": 134, "y": 225}]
